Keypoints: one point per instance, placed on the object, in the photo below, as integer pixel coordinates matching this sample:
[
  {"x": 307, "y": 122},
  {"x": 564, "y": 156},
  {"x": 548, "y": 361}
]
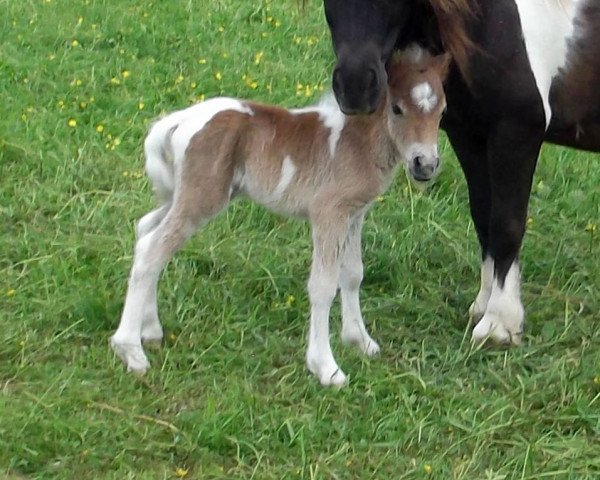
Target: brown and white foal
[{"x": 312, "y": 162}]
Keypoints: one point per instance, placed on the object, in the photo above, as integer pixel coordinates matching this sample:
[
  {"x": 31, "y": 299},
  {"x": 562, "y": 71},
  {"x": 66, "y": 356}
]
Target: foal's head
[{"x": 415, "y": 105}]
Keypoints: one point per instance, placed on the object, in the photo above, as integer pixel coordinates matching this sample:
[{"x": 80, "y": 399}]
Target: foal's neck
[{"x": 374, "y": 130}]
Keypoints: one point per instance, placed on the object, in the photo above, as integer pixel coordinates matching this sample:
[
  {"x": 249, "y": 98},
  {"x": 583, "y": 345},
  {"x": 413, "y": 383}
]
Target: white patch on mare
[
  {"x": 424, "y": 97},
  {"x": 288, "y": 170},
  {"x": 504, "y": 314},
  {"x": 547, "y": 26},
  {"x": 330, "y": 115},
  {"x": 478, "y": 307},
  {"x": 193, "y": 119}
]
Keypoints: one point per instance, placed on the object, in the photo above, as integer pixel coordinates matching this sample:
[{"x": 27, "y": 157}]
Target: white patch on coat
[
  {"x": 288, "y": 170},
  {"x": 547, "y": 27},
  {"x": 424, "y": 97},
  {"x": 193, "y": 119},
  {"x": 330, "y": 115},
  {"x": 478, "y": 307},
  {"x": 504, "y": 314}
]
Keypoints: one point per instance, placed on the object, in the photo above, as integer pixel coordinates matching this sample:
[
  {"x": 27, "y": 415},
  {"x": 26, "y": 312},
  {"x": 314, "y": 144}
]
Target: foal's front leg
[
  {"x": 354, "y": 331},
  {"x": 329, "y": 232}
]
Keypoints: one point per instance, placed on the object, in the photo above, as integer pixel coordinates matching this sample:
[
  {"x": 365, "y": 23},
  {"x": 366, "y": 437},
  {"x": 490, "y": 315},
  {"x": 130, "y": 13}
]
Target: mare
[
  {"x": 524, "y": 72},
  {"x": 314, "y": 162}
]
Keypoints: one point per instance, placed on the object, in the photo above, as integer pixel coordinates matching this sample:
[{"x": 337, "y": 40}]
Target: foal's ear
[{"x": 441, "y": 63}]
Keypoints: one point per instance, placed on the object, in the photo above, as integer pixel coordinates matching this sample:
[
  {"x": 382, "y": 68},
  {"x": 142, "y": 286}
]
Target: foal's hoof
[
  {"x": 491, "y": 328},
  {"x": 132, "y": 355},
  {"x": 366, "y": 345},
  {"x": 329, "y": 376}
]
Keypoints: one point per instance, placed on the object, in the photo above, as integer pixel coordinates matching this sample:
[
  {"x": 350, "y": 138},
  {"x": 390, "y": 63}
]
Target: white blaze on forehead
[
  {"x": 330, "y": 115},
  {"x": 424, "y": 97},
  {"x": 193, "y": 119},
  {"x": 288, "y": 170},
  {"x": 547, "y": 27}
]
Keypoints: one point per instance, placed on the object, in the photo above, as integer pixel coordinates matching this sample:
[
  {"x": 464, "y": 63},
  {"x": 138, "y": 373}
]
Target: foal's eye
[{"x": 397, "y": 110}]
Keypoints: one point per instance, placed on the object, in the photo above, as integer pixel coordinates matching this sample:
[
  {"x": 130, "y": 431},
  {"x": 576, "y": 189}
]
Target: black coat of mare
[{"x": 524, "y": 72}]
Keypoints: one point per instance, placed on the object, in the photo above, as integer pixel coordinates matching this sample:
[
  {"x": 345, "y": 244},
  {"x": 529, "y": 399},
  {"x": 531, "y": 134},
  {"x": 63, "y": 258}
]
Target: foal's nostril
[{"x": 418, "y": 161}]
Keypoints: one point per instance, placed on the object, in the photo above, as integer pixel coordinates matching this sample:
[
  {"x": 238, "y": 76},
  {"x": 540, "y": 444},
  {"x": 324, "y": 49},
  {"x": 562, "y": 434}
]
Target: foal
[{"x": 313, "y": 162}]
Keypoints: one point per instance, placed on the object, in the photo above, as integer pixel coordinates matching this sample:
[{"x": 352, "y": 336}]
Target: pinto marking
[
  {"x": 330, "y": 115},
  {"x": 288, "y": 170},
  {"x": 547, "y": 28}
]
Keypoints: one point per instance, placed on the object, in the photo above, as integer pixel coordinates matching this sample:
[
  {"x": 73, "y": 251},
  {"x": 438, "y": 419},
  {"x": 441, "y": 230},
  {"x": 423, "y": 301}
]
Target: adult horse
[{"x": 525, "y": 72}]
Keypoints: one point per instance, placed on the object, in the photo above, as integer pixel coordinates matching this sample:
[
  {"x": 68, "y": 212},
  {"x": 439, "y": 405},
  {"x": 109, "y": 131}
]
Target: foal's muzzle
[{"x": 423, "y": 168}]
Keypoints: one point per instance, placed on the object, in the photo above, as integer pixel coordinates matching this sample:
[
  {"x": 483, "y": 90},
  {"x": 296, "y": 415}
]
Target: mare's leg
[
  {"x": 472, "y": 154},
  {"x": 513, "y": 148},
  {"x": 330, "y": 228},
  {"x": 351, "y": 274}
]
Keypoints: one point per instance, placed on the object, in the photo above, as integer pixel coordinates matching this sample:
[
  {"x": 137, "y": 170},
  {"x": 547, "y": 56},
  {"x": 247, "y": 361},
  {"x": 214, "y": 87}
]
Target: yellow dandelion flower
[
  {"x": 596, "y": 378},
  {"x": 200, "y": 97},
  {"x": 117, "y": 142},
  {"x": 99, "y": 128},
  {"x": 179, "y": 79},
  {"x": 145, "y": 14},
  {"x": 428, "y": 469},
  {"x": 121, "y": 51},
  {"x": 61, "y": 104},
  {"x": 23, "y": 117},
  {"x": 181, "y": 472},
  {"x": 125, "y": 173},
  {"x": 79, "y": 20},
  {"x": 221, "y": 29},
  {"x": 83, "y": 105},
  {"x": 529, "y": 222},
  {"x": 277, "y": 24},
  {"x": 72, "y": 123},
  {"x": 380, "y": 198},
  {"x": 202, "y": 61},
  {"x": 115, "y": 81},
  {"x": 590, "y": 227},
  {"x": 126, "y": 73},
  {"x": 141, "y": 106},
  {"x": 269, "y": 19},
  {"x": 225, "y": 55},
  {"x": 218, "y": 75},
  {"x": 172, "y": 337},
  {"x": 289, "y": 301},
  {"x": 75, "y": 43},
  {"x": 52, "y": 56},
  {"x": 258, "y": 57},
  {"x": 297, "y": 40},
  {"x": 264, "y": 34},
  {"x": 193, "y": 85}
]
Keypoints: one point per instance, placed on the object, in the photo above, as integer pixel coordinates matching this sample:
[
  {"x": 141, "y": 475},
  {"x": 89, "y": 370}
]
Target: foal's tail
[{"x": 159, "y": 158}]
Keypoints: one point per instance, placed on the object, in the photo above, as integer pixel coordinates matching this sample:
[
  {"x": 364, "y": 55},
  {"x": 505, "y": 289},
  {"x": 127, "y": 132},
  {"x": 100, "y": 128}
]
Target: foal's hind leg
[
  {"x": 152, "y": 252},
  {"x": 354, "y": 331},
  {"x": 151, "y": 328}
]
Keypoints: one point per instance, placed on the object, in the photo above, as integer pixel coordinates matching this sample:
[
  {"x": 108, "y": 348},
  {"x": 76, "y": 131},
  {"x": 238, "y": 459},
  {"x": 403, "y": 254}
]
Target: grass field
[{"x": 228, "y": 395}]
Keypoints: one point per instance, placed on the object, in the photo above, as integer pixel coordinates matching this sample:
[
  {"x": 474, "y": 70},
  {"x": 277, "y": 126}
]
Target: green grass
[{"x": 228, "y": 395}]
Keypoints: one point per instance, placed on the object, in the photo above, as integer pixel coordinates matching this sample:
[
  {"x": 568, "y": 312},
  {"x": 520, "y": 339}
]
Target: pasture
[{"x": 228, "y": 395}]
